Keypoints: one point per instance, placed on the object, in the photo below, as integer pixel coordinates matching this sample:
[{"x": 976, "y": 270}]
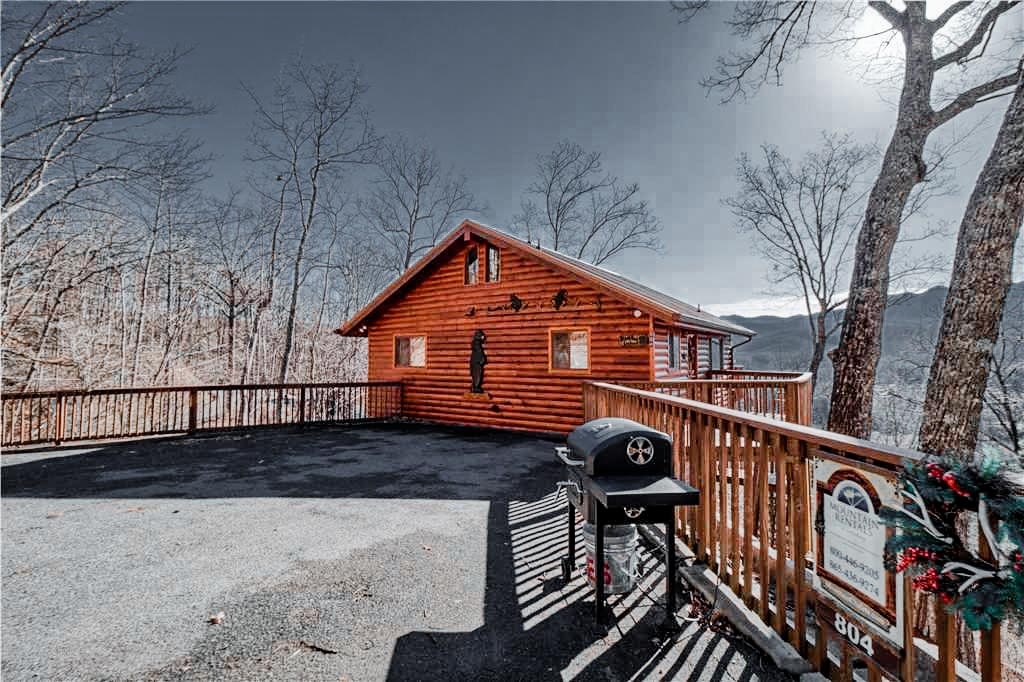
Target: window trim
[
  {"x": 551, "y": 347},
  {"x": 673, "y": 356},
  {"x": 394, "y": 351},
  {"x": 488, "y": 248},
  {"x": 713, "y": 343},
  {"x": 476, "y": 266}
]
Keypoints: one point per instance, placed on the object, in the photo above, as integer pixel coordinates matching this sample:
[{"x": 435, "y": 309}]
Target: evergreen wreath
[{"x": 935, "y": 492}]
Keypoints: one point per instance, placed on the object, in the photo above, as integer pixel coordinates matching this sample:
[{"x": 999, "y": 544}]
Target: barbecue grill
[{"x": 620, "y": 472}]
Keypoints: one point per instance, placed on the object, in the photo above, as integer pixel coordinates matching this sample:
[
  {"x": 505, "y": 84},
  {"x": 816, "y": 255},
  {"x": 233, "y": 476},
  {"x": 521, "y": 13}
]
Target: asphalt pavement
[{"x": 403, "y": 552}]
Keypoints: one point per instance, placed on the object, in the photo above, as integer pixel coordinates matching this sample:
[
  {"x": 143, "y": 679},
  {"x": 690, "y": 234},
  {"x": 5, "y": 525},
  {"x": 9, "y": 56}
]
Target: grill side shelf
[{"x": 634, "y": 491}]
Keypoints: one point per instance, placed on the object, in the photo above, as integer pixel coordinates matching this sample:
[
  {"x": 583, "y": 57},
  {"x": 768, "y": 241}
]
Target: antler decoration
[
  {"x": 973, "y": 573},
  {"x": 924, "y": 518},
  {"x": 1002, "y": 557}
]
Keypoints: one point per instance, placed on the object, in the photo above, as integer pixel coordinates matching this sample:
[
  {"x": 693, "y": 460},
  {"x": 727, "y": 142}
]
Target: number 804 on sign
[{"x": 847, "y": 631}]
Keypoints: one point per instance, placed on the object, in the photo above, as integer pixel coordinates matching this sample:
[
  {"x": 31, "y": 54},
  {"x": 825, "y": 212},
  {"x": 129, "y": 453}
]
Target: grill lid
[{"x": 613, "y": 446}]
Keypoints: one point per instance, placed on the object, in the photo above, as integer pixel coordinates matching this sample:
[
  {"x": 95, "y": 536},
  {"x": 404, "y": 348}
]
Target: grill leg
[
  {"x": 598, "y": 564},
  {"x": 670, "y": 574},
  {"x": 569, "y": 561}
]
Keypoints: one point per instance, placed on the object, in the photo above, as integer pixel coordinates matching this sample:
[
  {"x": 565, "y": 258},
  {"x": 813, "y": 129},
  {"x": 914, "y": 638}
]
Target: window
[
  {"x": 493, "y": 264},
  {"x": 673, "y": 350},
  {"x": 715, "y": 347},
  {"x": 410, "y": 351},
  {"x": 570, "y": 349},
  {"x": 471, "y": 266}
]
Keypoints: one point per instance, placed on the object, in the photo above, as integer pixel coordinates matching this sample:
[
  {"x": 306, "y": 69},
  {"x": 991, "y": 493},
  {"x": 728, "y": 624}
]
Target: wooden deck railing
[
  {"x": 66, "y": 416},
  {"x": 756, "y": 374},
  {"x": 778, "y": 395},
  {"x": 753, "y": 526}
]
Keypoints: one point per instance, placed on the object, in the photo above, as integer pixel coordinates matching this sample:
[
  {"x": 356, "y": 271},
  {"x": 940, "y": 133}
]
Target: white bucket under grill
[{"x": 619, "y": 557}]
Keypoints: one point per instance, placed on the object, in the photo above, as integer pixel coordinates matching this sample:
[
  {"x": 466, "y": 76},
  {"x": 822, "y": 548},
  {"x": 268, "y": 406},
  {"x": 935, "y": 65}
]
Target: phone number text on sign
[{"x": 854, "y": 545}]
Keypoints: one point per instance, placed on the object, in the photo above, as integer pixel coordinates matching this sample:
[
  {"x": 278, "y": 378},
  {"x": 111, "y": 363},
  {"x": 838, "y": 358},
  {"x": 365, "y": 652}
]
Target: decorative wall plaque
[{"x": 633, "y": 340}]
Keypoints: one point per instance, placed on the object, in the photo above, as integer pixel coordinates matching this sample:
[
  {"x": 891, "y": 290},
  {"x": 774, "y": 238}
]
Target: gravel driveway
[{"x": 362, "y": 553}]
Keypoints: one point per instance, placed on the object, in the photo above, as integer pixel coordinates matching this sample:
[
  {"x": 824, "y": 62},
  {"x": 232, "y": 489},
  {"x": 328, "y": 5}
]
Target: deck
[{"x": 360, "y": 552}]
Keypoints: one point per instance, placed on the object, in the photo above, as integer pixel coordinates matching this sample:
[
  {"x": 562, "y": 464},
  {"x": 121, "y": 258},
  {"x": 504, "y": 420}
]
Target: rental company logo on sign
[{"x": 854, "y": 540}]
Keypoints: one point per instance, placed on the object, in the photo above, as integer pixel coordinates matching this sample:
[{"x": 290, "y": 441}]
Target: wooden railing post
[
  {"x": 945, "y": 624},
  {"x": 60, "y": 417},
  {"x": 302, "y": 405},
  {"x": 193, "y": 409},
  {"x": 908, "y": 664},
  {"x": 991, "y": 640}
]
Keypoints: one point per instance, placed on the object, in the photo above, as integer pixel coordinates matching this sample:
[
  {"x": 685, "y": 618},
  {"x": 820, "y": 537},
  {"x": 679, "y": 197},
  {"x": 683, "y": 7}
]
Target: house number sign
[{"x": 858, "y": 600}]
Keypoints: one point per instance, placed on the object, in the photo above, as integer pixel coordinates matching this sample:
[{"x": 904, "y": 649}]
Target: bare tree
[
  {"x": 78, "y": 110},
  {"x": 776, "y": 33},
  {"x": 158, "y": 199},
  {"x": 412, "y": 201},
  {"x": 977, "y": 292},
  {"x": 232, "y": 249},
  {"x": 1003, "y": 416},
  {"x": 314, "y": 128},
  {"x": 585, "y": 212},
  {"x": 804, "y": 219},
  {"x": 74, "y": 102}
]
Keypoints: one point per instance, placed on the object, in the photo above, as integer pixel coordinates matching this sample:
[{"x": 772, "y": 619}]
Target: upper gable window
[
  {"x": 472, "y": 263},
  {"x": 493, "y": 264}
]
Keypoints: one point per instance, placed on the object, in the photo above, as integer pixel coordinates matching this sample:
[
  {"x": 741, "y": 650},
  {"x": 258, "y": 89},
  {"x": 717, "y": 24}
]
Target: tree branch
[
  {"x": 895, "y": 18},
  {"x": 980, "y": 31},
  {"x": 948, "y": 14},
  {"x": 969, "y": 98}
]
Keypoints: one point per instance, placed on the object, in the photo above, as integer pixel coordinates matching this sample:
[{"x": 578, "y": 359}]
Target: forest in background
[{"x": 122, "y": 269}]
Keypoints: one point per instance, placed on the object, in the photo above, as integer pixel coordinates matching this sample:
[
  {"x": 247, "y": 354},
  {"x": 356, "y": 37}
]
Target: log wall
[{"x": 522, "y": 391}]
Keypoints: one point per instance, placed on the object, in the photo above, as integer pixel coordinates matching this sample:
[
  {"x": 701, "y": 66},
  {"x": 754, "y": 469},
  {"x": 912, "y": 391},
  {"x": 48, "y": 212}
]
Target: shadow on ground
[
  {"x": 410, "y": 461},
  {"x": 401, "y": 601},
  {"x": 538, "y": 627}
]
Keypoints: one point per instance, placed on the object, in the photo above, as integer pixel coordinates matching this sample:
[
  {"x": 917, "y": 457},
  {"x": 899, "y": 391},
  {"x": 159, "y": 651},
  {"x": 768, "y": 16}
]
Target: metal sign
[
  {"x": 843, "y": 625},
  {"x": 850, "y": 575}
]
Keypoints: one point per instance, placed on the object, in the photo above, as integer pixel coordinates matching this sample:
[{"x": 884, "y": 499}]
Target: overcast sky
[{"x": 492, "y": 85}]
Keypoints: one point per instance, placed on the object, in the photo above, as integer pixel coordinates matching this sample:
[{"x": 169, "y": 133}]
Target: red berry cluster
[
  {"x": 927, "y": 581},
  {"x": 950, "y": 480},
  {"x": 1018, "y": 561},
  {"x": 914, "y": 555},
  {"x": 934, "y": 471}
]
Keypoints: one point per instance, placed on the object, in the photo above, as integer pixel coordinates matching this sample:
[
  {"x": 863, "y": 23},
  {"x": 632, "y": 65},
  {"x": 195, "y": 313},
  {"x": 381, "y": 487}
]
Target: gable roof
[{"x": 651, "y": 301}]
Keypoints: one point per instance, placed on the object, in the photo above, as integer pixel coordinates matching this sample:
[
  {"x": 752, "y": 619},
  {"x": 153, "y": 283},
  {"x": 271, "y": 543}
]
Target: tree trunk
[
  {"x": 289, "y": 330},
  {"x": 977, "y": 291},
  {"x": 140, "y": 323},
  {"x": 856, "y": 358},
  {"x": 817, "y": 347}
]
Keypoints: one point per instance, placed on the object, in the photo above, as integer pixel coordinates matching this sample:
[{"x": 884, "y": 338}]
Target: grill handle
[
  {"x": 562, "y": 452},
  {"x": 567, "y": 485}
]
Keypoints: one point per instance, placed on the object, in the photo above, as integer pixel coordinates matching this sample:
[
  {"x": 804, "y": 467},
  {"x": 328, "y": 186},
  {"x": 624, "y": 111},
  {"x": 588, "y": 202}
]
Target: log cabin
[{"x": 489, "y": 330}]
